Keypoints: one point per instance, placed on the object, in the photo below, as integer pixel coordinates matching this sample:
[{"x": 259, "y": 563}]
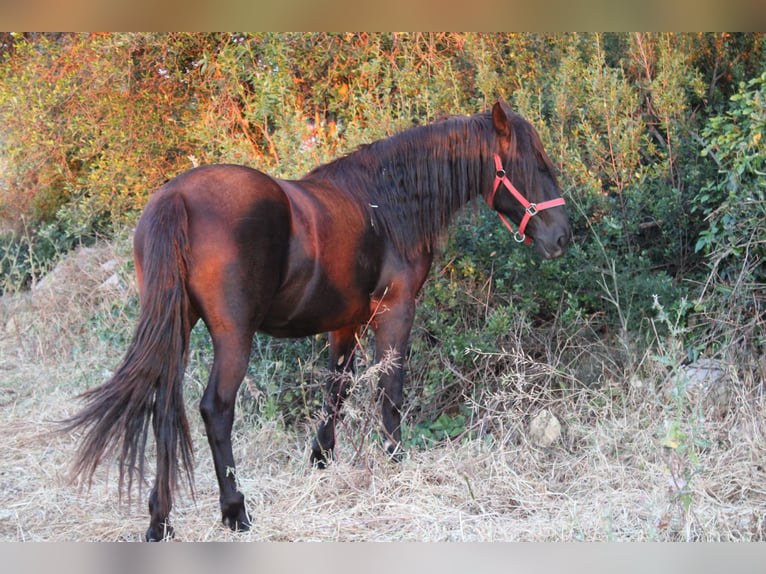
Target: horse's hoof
[
  {"x": 159, "y": 533},
  {"x": 393, "y": 450},
  {"x": 318, "y": 462},
  {"x": 235, "y": 516},
  {"x": 320, "y": 457},
  {"x": 239, "y": 524}
]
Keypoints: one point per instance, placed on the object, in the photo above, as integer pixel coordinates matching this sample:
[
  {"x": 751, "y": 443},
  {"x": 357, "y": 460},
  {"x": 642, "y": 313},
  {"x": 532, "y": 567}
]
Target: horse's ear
[{"x": 501, "y": 117}]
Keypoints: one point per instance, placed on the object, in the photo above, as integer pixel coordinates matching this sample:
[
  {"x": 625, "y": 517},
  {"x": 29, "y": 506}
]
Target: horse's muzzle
[{"x": 554, "y": 243}]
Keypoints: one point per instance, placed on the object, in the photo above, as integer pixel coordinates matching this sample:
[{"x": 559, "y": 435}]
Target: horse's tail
[{"x": 147, "y": 387}]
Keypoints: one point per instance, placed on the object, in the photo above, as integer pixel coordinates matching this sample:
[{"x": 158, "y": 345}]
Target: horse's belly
[{"x": 318, "y": 308}]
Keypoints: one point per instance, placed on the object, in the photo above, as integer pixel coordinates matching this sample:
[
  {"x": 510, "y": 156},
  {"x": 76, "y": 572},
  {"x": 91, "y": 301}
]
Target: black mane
[{"x": 413, "y": 182}]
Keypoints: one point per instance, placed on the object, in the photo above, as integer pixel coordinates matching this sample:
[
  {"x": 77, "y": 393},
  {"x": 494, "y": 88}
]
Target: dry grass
[{"x": 609, "y": 477}]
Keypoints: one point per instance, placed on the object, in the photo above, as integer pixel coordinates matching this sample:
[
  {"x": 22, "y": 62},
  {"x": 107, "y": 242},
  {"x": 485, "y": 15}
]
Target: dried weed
[{"x": 611, "y": 476}]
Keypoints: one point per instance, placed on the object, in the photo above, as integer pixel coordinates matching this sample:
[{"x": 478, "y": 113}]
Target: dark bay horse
[{"x": 350, "y": 243}]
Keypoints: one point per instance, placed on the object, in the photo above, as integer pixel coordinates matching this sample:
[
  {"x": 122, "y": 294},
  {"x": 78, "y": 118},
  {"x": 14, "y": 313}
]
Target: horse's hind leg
[
  {"x": 159, "y": 526},
  {"x": 232, "y": 351},
  {"x": 342, "y": 347},
  {"x": 161, "y": 497},
  {"x": 159, "y": 512}
]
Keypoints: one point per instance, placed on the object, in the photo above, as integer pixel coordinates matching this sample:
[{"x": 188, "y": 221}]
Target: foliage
[
  {"x": 734, "y": 206},
  {"x": 96, "y": 118},
  {"x": 656, "y": 138}
]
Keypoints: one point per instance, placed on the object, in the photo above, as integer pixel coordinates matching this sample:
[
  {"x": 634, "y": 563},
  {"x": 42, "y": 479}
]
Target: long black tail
[{"x": 148, "y": 385}]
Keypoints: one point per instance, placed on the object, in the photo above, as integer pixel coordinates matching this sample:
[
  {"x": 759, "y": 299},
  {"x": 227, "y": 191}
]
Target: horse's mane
[{"x": 413, "y": 182}]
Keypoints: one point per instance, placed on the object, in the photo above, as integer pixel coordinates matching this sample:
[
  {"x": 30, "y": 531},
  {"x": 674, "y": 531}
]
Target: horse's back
[
  {"x": 222, "y": 191},
  {"x": 227, "y": 206}
]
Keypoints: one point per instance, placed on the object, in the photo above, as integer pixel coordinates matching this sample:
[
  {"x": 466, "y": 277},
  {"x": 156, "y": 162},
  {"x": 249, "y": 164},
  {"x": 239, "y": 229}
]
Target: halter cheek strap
[{"x": 530, "y": 209}]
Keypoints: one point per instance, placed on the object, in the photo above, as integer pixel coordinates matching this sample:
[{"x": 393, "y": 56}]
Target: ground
[{"x": 643, "y": 464}]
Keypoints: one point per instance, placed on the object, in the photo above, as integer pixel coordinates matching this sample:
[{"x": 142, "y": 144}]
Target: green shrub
[
  {"x": 92, "y": 123},
  {"x": 734, "y": 206}
]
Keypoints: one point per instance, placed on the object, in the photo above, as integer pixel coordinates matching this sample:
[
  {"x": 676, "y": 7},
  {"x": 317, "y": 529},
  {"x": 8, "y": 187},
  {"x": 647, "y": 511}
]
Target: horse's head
[{"x": 525, "y": 187}]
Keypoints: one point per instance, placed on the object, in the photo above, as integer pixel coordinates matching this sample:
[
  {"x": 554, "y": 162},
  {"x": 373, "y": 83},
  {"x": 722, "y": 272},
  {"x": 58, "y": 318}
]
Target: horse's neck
[
  {"x": 430, "y": 194},
  {"x": 452, "y": 188}
]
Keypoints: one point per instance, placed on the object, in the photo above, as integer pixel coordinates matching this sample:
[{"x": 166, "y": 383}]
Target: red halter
[{"x": 531, "y": 209}]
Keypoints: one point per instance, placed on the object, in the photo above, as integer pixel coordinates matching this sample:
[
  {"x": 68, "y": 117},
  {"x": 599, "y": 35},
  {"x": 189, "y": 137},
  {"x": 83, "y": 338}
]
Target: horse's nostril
[{"x": 562, "y": 241}]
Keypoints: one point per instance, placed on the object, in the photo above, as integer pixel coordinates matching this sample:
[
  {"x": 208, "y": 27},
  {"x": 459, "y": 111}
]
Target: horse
[{"x": 349, "y": 244}]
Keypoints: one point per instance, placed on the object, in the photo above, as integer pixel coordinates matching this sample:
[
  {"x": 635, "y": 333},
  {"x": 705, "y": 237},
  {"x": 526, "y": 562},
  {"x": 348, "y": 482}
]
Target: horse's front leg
[
  {"x": 342, "y": 347},
  {"x": 392, "y": 331}
]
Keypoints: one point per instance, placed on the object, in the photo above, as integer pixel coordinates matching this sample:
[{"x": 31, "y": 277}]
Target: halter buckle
[{"x": 532, "y": 209}]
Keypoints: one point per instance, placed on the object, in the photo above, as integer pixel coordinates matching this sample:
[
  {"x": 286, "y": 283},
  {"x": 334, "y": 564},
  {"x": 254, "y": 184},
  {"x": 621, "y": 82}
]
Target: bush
[
  {"x": 92, "y": 123},
  {"x": 733, "y": 299}
]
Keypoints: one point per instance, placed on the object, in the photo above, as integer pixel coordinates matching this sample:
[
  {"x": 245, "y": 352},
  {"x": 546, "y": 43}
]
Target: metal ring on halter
[
  {"x": 500, "y": 173},
  {"x": 532, "y": 209},
  {"x": 519, "y": 237}
]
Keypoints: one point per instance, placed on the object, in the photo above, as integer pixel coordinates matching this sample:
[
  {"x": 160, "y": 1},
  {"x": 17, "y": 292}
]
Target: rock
[
  {"x": 114, "y": 283},
  {"x": 110, "y": 266},
  {"x": 545, "y": 429},
  {"x": 706, "y": 383},
  {"x": 11, "y": 327},
  {"x": 705, "y": 372}
]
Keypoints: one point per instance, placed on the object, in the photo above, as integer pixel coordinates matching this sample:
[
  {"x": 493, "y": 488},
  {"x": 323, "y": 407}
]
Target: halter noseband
[{"x": 531, "y": 209}]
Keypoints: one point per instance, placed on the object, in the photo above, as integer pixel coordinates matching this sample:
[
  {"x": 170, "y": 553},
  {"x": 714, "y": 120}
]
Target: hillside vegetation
[{"x": 640, "y": 353}]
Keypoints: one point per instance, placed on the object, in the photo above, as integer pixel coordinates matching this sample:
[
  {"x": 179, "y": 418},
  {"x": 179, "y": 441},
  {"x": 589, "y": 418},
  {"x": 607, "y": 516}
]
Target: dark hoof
[
  {"x": 320, "y": 457},
  {"x": 235, "y": 516},
  {"x": 394, "y": 450},
  {"x": 159, "y": 533},
  {"x": 239, "y": 524}
]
